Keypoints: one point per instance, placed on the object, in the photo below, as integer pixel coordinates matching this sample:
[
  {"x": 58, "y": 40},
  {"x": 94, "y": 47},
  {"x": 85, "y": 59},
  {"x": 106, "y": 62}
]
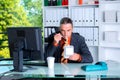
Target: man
[{"x": 57, "y": 40}]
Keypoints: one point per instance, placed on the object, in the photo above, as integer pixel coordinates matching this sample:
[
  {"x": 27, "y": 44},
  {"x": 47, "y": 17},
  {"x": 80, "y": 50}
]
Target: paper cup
[
  {"x": 68, "y": 51},
  {"x": 50, "y": 61}
]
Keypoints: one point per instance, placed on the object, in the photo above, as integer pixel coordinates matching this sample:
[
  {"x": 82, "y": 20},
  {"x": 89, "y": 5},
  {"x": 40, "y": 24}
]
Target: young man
[{"x": 57, "y": 40}]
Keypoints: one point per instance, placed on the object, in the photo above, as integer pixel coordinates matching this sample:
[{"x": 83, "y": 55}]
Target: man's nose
[{"x": 65, "y": 33}]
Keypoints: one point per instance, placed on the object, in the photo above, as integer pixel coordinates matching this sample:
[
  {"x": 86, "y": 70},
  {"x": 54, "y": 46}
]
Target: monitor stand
[
  {"x": 18, "y": 61},
  {"x": 18, "y": 55}
]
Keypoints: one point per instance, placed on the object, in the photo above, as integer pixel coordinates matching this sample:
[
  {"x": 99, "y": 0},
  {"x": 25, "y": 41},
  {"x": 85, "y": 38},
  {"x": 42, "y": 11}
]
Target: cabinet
[{"x": 89, "y": 20}]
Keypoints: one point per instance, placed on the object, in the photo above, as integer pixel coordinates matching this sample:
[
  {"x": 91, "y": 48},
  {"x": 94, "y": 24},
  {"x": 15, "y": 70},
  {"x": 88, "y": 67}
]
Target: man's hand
[
  {"x": 75, "y": 57},
  {"x": 57, "y": 37}
]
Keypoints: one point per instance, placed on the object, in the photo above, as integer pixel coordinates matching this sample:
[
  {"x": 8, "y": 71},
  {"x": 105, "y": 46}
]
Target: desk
[{"x": 60, "y": 71}]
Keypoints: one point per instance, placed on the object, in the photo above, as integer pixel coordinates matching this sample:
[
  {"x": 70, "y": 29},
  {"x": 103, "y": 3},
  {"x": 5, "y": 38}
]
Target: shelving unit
[
  {"x": 89, "y": 20},
  {"x": 109, "y": 46}
]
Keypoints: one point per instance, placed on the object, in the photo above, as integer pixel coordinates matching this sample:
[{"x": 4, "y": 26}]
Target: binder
[
  {"x": 45, "y": 33},
  {"x": 75, "y": 16},
  {"x": 91, "y": 36},
  {"x": 86, "y": 17},
  {"x": 72, "y": 16},
  {"x": 91, "y": 16},
  {"x": 118, "y": 16},
  {"x": 73, "y": 2},
  {"x": 64, "y": 2},
  {"x": 96, "y": 17},
  {"x": 73, "y": 12},
  {"x": 49, "y": 17},
  {"x": 54, "y": 2},
  {"x": 61, "y": 14},
  {"x": 46, "y": 17},
  {"x": 45, "y": 2},
  {"x": 80, "y": 2},
  {"x": 59, "y": 2},
  {"x": 58, "y": 16},
  {"x": 111, "y": 36},
  {"x": 53, "y": 19},
  {"x": 65, "y": 12},
  {"x": 83, "y": 16},
  {"x": 49, "y": 31},
  {"x": 110, "y": 16},
  {"x": 96, "y": 37},
  {"x": 53, "y": 30},
  {"x": 87, "y": 35},
  {"x": 74, "y": 30},
  {"x": 49, "y": 2},
  {"x": 79, "y": 16},
  {"x": 81, "y": 31}
]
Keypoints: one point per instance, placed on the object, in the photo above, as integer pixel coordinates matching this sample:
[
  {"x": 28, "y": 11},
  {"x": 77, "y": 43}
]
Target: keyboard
[{"x": 35, "y": 63}]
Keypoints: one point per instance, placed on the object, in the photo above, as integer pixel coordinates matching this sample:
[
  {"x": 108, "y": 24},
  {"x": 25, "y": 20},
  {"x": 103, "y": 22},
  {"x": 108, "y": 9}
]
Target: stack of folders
[
  {"x": 110, "y": 16},
  {"x": 55, "y": 2}
]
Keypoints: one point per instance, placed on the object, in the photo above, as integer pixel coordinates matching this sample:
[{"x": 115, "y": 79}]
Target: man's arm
[
  {"x": 85, "y": 54},
  {"x": 50, "y": 48},
  {"x": 53, "y": 43}
]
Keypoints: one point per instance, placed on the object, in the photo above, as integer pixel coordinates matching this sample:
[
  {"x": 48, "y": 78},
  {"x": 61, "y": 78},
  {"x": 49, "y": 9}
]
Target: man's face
[{"x": 66, "y": 30}]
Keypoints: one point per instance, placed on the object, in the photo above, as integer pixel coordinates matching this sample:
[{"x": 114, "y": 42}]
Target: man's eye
[{"x": 68, "y": 30}]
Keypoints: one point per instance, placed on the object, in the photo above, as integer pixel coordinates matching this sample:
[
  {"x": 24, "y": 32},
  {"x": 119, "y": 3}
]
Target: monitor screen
[{"x": 27, "y": 39}]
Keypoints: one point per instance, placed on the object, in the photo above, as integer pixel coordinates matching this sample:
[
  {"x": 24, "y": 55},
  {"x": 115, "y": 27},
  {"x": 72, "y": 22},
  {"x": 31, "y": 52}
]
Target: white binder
[
  {"x": 80, "y": 16},
  {"x": 91, "y": 16},
  {"x": 96, "y": 17},
  {"x": 118, "y": 16},
  {"x": 46, "y": 32},
  {"x": 110, "y": 16},
  {"x": 96, "y": 37}
]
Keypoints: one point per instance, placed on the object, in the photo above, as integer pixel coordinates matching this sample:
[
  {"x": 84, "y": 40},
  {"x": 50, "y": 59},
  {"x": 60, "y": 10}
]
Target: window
[{"x": 18, "y": 13}]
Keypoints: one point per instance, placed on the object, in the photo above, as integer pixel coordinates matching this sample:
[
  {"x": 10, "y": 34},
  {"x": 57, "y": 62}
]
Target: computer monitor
[{"x": 27, "y": 39}]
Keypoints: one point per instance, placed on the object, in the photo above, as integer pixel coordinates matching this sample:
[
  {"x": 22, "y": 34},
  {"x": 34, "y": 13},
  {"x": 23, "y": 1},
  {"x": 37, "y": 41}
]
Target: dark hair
[{"x": 66, "y": 20}]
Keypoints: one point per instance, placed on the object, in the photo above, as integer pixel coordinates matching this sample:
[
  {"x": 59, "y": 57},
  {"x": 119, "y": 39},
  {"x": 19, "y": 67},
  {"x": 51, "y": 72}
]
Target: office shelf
[
  {"x": 109, "y": 1},
  {"x": 110, "y": 44}
]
